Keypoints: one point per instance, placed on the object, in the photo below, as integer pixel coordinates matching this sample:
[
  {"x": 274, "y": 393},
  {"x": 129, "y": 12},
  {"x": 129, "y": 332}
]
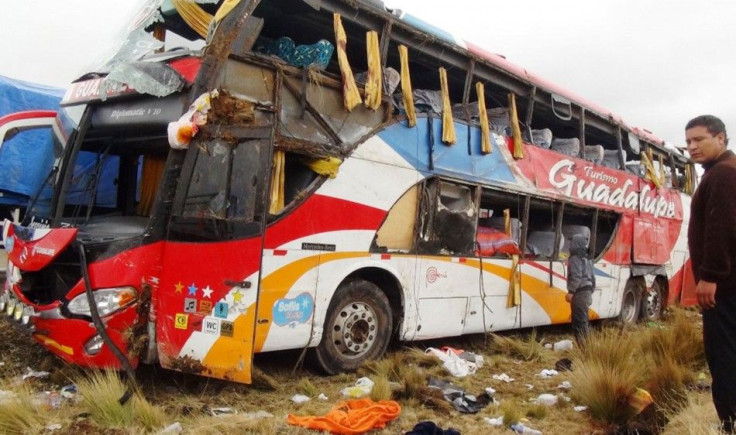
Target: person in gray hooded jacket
[{"x": 580, "y": 285}]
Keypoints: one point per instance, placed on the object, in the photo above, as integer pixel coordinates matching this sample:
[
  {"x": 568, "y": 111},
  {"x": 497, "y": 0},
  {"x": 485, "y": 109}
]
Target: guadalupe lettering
[{"x": 593, "y": 187}]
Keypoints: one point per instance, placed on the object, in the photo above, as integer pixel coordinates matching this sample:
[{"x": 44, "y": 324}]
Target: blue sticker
[
  {"x": 221, "y": 310},
  {"x": 293, "y": 311}
]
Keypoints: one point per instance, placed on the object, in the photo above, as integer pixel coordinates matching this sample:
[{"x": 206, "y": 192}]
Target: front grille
[{"x": 54, "y": 281}]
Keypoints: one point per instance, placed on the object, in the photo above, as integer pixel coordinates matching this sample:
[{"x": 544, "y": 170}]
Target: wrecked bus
[{"x": 330, "y": 176}]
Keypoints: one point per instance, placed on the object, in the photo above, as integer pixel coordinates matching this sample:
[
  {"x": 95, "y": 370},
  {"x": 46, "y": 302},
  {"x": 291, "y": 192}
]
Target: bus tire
[
  {"x": 357, "y": 328},
  {"x": 652, "y": 302},
  {"x": 630, "y": 302}
]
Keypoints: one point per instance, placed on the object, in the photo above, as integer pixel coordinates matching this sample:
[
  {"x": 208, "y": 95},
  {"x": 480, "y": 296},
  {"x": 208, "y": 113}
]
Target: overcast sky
[{"x": 657, "y": 63}]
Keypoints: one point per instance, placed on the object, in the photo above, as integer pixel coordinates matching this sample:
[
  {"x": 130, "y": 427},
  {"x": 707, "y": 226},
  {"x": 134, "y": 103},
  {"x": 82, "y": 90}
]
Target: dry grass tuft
[
  {"x": 526, "y": 349},
  {"x": 101, "y": 392},
  {"x": 263, "y": 381},
  {"x": 511, "y": 411},
  {"x": 381, "y": 388},
  {"x": 234, "y": 424},
  {"x": 698, "y": 417},
  {"x": 19, "y": 415},
  {"x": 307, "y": 387},
  {"x": 667, "y": 383},
  {"x": 539, "y": 411},
  {"x": 606, "y": 389},
  {"x": 681, "y": 340}
]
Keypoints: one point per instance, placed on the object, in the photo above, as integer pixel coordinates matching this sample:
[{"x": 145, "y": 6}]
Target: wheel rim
[
  {"x": 354, "y": 330},
  {"x": 628, "y": 309},
  {"x": 654, "y": 302}
]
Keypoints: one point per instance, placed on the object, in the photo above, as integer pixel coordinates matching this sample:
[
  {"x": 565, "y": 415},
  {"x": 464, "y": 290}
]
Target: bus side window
[
  {"x": 492, "y": 239},
  {"x": 397, "y": 231},
  {"x": 541, "y": 235},
  {"x": 448, "y": 216}
]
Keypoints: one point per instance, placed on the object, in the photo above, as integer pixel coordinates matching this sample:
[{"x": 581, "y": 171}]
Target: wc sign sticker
[
  {"x": 211, "y": 325},
  {"x": 292, "y": 311}
]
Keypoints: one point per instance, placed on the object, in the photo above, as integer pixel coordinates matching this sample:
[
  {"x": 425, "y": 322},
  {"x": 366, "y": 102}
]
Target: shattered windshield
[{"x": 67, "y": 122}]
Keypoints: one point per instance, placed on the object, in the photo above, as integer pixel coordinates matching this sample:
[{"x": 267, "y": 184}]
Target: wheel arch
[{"x": 389, "y": 285}]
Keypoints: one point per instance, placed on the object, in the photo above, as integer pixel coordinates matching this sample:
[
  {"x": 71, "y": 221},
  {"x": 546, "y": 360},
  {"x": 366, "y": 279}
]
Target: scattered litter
[
  {"x": 258, "y": 414},
  {"x": 2, "y": 363},
  {"x": 565, "y": 385},
  {"x": 579, "y": 408},
  {"x": 455, "y": 364},
  {"x": 300, "y": 398},
  {"x": 546, "y": 399},
  {"x": 565, "y": 344},
  {"x": 69, "y": 392},
  {"x": 322, "y": 396},
  {"x": 564, "y": 365},
  {"x": 520, "y": 428},
  {"x": 53, "y": 427},
  {"x": 363, "y": 387},
  {"x": 640, "y": 400},
  {"x": 529, "y": 386},
  {"x": 503, "y": 377},
  {"x": 548, "y": 373},
  {"x": 490, "y": 391},
  {"x": 466, "y": 403},
  {"x": 222, "y": 412},
  {"x": 430, "y": 427},
  {"x": 498, "y": 421},
  {"x": 467, "y": 356},
  {"x": 172, "y": 428},
  {"x": 30, "y": 373}
]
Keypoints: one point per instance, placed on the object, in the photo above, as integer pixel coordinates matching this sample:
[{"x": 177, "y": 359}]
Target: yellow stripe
[{"x": 55, "y": 344}]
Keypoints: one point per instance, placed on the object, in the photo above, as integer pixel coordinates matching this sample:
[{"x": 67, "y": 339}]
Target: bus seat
[
  {"x": 635, "y": 168},
  {"x": 570, "y": 146},
  {"x": 498, "y": 223},
  {"x": 499, "y": 118},
  {"x": 594, "y": 153},
  {"x": 541, "y": 244},
  {"x": 542, "y": 138},
  {"x": 391, "y": 79},
  {"x": 610, "y": 159}
]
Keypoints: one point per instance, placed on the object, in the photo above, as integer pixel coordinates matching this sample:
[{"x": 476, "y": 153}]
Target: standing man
[{"x": 712, "y": 242}]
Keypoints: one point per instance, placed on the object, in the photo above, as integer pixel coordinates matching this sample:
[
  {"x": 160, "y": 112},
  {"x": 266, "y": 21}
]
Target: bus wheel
[
  {"x": 357, "y": 329},
  {"x": 630, "y": 302},
  {"x": 652, "y": 302}
]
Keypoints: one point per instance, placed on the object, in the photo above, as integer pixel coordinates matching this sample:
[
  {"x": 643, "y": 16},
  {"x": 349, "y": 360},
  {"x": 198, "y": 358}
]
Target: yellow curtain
[
  {"x": 277, "y": 182},
  {"x": 153, "y": 170},
  {"x": 406, "y": 92},
  {"x": 515, "y": 130},
  {"x": 651, "y": 174},
  {"x": 225, "y": 9},
  {"x": 688, "y": 179},
  {"x": 448, "y": 124},
  {"x": 514, "y": 298},
  {"x": 194, "y": 16},
  {"x": 374, "y": 82},
  {"x": 351, "y": 96},
  {"x": 485, "y": 129},
  {"x": 328, "y": 166}
]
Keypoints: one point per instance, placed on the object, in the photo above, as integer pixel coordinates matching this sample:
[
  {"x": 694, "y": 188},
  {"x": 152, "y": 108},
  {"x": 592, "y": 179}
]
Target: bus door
[
  {"x": 446, "y": 279},
  {"x": 208, "y": 296}
]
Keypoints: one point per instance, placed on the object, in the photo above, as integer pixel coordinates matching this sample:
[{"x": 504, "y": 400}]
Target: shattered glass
[{"x": 157, "y": 79}]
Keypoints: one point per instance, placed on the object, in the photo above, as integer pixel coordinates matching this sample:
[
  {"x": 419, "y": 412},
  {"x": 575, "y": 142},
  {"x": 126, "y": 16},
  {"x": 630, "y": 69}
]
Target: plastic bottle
[{"x": 520, "y": 428}]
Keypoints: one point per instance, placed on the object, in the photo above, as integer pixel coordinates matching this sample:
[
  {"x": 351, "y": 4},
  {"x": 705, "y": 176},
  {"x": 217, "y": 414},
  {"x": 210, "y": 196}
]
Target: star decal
[
  {"x": 192, "y": 290},
  {"x": 178, "y": 286},
  {"x": 207, "y": 292},
  {"x": 237, "y": 296}
]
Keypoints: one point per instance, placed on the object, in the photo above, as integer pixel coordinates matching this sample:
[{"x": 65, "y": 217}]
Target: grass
[
  {"x": 19, "y": 414},
  {"x": 101, "y": 393},
  {"x": 526, "y": 349},
  {"x": 604, "y": 378}
]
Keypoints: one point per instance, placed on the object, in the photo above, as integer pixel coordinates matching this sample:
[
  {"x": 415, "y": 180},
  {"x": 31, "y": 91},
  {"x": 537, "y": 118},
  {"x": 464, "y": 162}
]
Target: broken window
[{"x": 447, "y": 219}]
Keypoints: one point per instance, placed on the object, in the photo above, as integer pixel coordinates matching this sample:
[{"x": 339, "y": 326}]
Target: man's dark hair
[{"x": 713, "y": 124}]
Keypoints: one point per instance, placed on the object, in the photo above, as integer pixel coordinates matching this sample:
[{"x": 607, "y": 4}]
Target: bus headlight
[{"x": 108, "y": 301}]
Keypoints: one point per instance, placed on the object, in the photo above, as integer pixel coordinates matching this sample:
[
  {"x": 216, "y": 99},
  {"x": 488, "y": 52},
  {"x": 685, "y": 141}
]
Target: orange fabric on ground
[{"x": 351, "y": 417}]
